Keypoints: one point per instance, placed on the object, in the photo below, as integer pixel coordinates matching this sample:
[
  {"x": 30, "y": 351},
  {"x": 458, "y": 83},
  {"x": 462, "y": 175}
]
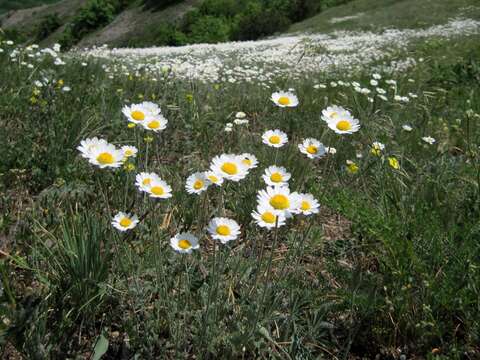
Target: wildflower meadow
[{"x": 180, "y": 203}]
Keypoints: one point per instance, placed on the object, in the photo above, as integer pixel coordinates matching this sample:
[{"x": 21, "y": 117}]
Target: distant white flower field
[{"x": 262, "y": 61}]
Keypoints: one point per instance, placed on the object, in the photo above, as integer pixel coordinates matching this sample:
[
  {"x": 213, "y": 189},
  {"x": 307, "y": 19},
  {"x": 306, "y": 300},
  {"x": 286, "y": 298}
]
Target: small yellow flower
[
  {"x": 140, "y": 96},
  {"x": 33, "y": 100},
  {"x": 393, "y": 162},
  {"x": 60, "y": 83},
  {"x": 352, "y": 168},
  {"x": 216, "y": 86},
  {"x": 189, "y": 97},
  {"x": 131, "y": 125},
  {"x": 36, "y": 92},
  {"x": 148, "y": 139},
  {"x": 129, "y": 167}
]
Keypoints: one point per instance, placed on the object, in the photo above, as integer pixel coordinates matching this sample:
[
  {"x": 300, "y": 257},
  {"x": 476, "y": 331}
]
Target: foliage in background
[
  {"x": 230, "y": 20},
  {"x": 47, "y": 26}
]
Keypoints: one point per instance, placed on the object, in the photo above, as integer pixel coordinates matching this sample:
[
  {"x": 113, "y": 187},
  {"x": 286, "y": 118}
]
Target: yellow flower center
[
  {"x": 198, "y": 184},
  {"x": 268, "y": 217},
  {"x": 344, "y": 125},
  {"x": 352, "y": 168},
  {"x": 247, "y": 161},
  {"x": 375, "y": 151},
  {"x": 128, "y": 152},
  {"x": 213, "y": 179},
  {"x": 274, "y": 139},
  {"x": 125, "y": 222},
  {"x": 280, "y": 202},
  {"x": 312, "y": 149},
  {"x": 105, "y": 158},
  {"x": 147, "y": 181},
  {"x": 284, "y": 100},
  {"x": 223, "y": 230},
  {"x": 305, "y": 206},
  {"x": 184, "y": 244},
  {"x": 229, "y": 168},
  {"x": 334, "y": 114},
  {"x": 157, "y": 190},
  {"x": 394, "y": 163},
  {"x": 138, "y": 115},
  {"x": 276, "y": 177},
  {"x": 154, "y": 124}
]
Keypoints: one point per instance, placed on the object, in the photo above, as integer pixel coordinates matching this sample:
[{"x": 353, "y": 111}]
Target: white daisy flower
[
  {"x": 155, "y": 123},
  {"x": 240, "y": 115},
  {"x": 144, "y": 180},
  {"x": 223, "y": 229},
  {"x": 407, "y": 127},
  {"x": 275, "y": 138},
  {"x": 312, "y": 148},
  {"x": 214, "y": 178},
  {"x": 124, "y": 221},
  {"x": 229, "y": 166},
  {"x": 136, "y": 113},
  {"x": 266, "y": 217},
  {"x": 330, "y": 150},
  {"x": 87, "y": 146},
  {"x": 376, "y": 76},
  {"x": 307, "y": 204},
  {"x": 276, "y": 175},
  {"x": 285, "y": 99},
  {"x": 151, "y": 108},
  {"x": 106, "y": 156},
  {"x": 429, "y": 140},
  {"x": 197, "y": 183},
  {"x": 377, "y": 148},
  {"x": 129, "y": 151},
  {"x": 159, "y": 189},
  {"x": 184, "y": 243},
  {"x": 344, "y": 125},
  {"x": 249, "y": 160},
  {"x": 334, "y": 112},
  {"x": 279, "y": 199}
]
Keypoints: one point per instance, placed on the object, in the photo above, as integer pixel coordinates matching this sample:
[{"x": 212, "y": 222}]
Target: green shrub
[
  {"x": 257, "y": 21},
  {"x": 209, "y": 29},
  {"x": 47, "y": 26}
]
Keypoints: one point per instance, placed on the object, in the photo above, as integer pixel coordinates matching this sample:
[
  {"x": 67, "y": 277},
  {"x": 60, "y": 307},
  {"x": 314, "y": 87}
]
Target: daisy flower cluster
[
  {"x": 265, "y": 60},
  {"x": 101, "y": 153},
  {"x": 276, "y": 203},
  {"x": 146, "y": 114}
]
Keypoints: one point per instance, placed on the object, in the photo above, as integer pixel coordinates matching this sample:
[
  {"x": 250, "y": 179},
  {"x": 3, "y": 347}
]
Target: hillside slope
[
  {"x": 375, "y": 15},
  {"x": 134, "y": 22},
  {"x": 28, "y": 18}
]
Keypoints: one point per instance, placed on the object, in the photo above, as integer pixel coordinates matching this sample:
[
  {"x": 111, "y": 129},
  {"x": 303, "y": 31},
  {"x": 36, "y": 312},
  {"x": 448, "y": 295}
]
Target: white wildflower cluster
[{"x": 265, "y": 60}]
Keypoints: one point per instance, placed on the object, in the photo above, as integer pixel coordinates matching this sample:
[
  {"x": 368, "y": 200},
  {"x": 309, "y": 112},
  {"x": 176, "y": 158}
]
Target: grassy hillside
[
  {"x": 373, "y": 15},
  {"x": 8, "y": 5}
]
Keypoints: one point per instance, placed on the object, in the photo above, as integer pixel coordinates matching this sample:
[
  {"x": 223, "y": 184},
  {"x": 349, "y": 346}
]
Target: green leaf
[{"x": 101, "y": 347}]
